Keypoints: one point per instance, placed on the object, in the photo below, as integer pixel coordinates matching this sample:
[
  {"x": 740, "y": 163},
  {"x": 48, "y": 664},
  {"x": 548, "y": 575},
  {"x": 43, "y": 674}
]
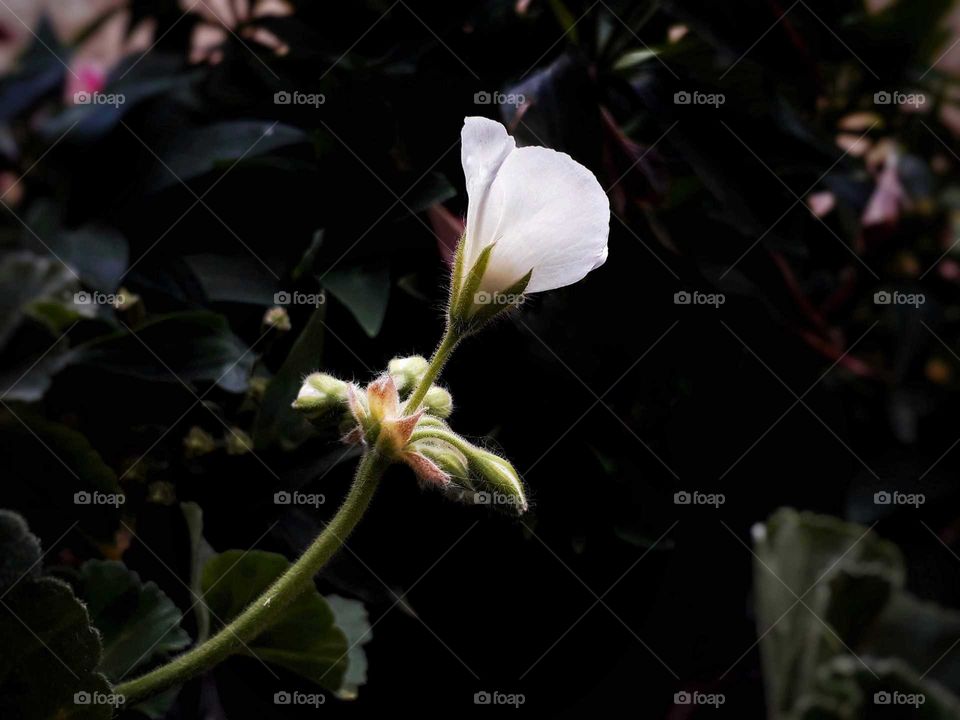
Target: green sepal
[
  {"x": 463, "y": 300},
  {"x": 487, "y": 312}
]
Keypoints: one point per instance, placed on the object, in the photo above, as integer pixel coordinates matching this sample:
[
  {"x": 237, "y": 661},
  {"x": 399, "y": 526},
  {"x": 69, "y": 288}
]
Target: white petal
[
  {"x": 484, "y": 146},
  {"x": 548, "y": 214},
  {"x": 308, "y": 392}
]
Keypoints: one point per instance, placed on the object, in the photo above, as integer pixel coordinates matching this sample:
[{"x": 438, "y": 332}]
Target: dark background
[{"x": 607, "y": 396}]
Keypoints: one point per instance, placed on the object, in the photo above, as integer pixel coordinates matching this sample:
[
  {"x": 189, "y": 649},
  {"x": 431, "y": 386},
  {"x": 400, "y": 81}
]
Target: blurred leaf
[
  {"x": 195, "y": 152},
  {"x": 25, "y": 277},
  {"x": 430, "y": 190},
  {"x": 98, "y": 253},
  {"x": 87, "y": 123},
  {"x": 566, "y": 19},
  {"x": 796, "y": 552},
  {"x": 40, "y": 73},
  {"x": 277, "y": 422},
  {"x": 233, "y": 278},
  {"x": 200, "y": 553},
  {"x": 197, "y": 346},
  {"x": 920, "y": 633},
  {"x": 846, "y": 690},
  {"x": 365, "y": 291},
  {"x": 306, "y": 641},
  {"x": 51, "y": 463},
  {"x": 351, "y": 617},
  {"x": 137, "y": 621}
]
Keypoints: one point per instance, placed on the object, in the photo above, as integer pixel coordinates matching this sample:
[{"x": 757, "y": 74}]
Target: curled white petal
[{"x": 545, "y": 211}]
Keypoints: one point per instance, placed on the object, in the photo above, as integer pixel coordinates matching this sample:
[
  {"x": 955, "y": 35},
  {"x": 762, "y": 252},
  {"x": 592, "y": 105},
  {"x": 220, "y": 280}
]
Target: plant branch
[{"x": 269, "y": 607}]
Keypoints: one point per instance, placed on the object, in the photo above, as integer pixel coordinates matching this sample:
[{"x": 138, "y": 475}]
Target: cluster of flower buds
[{"x": 377, "y": 417}]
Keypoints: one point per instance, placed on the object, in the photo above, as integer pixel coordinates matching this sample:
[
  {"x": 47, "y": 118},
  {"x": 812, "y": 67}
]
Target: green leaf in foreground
[
  {"x": 50, "y": 649},
  {"x": 307, "y": 641}
]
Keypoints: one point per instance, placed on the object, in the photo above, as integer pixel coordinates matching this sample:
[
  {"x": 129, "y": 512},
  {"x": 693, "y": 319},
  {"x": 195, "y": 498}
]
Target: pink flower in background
[{"x": 87, "y": 77}]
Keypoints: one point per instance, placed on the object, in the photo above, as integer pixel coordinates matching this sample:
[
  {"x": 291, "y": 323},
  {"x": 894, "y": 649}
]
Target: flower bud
[
  {"x": 320, "y": 394},
  {"x": 503, "y": 481},
  {"x": 444, "y": 455},
  {"x": 237, "y": 441},
  {"x": 438, "y": 402},
  {"x": 277, "y": 318},
  {"x": 198, "y": 442},
  {"x": 407, "y": 371}
]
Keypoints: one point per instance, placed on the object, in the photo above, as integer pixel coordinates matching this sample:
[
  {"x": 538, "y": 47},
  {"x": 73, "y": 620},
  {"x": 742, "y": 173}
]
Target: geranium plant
[{"x": 536, "y": 220}]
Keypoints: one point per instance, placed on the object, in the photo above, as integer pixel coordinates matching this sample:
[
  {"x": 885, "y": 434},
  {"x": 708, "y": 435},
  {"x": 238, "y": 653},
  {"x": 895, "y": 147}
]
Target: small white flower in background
[{"x": 536, "y": 219}]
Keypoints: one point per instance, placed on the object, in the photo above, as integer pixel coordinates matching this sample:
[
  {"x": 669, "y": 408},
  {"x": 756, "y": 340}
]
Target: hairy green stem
[
  {"x": 440, "y": 356},
  {"x": 269, "y": 607}
]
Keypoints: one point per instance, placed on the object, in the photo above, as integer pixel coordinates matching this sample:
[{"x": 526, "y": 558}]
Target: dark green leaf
[
  {"x": 50, "y": 650},
  {"x": 19, "y": 551},
  {"x": 795, "y": 553},
  {"x": 233, "y": 278},
  {"x": 195, "y": 152},
  {"x": 55, "y": 473},
  {"x": 196, "y": 346},
  {"x": 306, "y": 641},
  {"x": 137, "y": 621}
]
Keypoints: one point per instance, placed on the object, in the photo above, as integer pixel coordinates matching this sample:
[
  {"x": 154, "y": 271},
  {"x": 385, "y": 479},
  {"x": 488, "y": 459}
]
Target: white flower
[{"x": 545, "y": 212}]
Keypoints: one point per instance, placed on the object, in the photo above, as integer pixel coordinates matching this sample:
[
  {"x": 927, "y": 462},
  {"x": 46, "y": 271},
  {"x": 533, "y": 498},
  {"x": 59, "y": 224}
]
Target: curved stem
[
  {"x": 439, "y": 359},
  {"x": 268, "y": 608}
]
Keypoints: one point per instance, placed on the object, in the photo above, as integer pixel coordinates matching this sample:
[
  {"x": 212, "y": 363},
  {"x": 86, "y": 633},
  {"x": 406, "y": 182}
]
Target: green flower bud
[
  {"x": 198, "y": 442},
  {"x": 237, "y": 441},
  {"x": 407, "y": 371},
  {"x": 277, "y": 318},
  {"x": 321, "y": 394},
  {"x": 492, "y": 480},
  {"x": 444, "y": 455},
  {"x": 438, "y": 402},
  {"x": 503, "y": 485}
]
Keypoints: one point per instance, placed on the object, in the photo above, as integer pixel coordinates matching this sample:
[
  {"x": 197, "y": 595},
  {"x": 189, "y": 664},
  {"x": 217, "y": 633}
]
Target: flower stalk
[
  {"x": 269, "y": 607},
  {"x": 440, "y": 356}
]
